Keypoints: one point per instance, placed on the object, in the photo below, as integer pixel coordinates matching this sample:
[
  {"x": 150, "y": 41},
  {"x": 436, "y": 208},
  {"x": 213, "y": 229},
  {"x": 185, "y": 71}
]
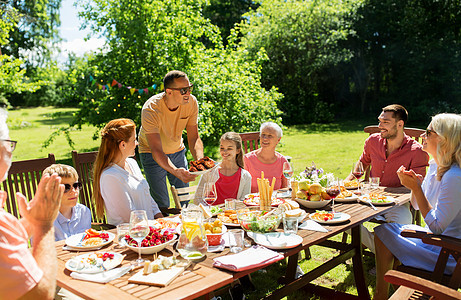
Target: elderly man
[
  {"x": 386, "y": 152},
  {"x": 26, "y": 274},
  {"x": 164, "y": 117}
]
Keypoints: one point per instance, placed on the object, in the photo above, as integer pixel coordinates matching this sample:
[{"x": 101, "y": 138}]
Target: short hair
[
  {"x": 169, "y": 78},
  {"x": 448, "y": 128},
  {"x": 63, "y": 171},
  {"x": 399, "y": 112},
  {"x": 274, "y": 126},
  {"x": 4, "y": 132}
]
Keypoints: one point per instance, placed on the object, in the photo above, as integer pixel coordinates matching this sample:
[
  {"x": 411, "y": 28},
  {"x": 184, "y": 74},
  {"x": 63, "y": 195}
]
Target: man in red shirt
[{"x": 386, "y": 152}]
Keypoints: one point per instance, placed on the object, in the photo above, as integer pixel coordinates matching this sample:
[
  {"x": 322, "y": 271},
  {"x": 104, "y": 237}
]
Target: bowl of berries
[{"x": 155, "y": 241}]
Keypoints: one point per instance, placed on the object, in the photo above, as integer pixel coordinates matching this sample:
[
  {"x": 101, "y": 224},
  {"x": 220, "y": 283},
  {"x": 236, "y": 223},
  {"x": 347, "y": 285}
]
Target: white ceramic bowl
[
  {"x": 313, "y": 204},
  {"x": 151, "y": 249}
]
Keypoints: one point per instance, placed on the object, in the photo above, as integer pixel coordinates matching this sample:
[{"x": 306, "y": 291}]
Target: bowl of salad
[{"x": 259, "y": 221}]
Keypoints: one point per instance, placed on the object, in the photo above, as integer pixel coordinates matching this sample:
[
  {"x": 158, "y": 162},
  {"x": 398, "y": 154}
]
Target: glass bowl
[{"x": 256, "y": 221}]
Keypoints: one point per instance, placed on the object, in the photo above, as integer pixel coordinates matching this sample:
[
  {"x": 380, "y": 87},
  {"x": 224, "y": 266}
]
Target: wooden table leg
[
  {"x": 290, "y": 274},
  {"x": 357, "y": 261}
]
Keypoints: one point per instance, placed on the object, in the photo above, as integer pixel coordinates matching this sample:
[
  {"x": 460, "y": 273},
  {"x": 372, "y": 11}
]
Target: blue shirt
[{"x": 78, "y": 223}]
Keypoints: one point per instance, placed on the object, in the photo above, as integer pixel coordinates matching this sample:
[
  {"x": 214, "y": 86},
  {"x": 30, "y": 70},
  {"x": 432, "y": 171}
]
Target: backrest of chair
[
  {"x": 250, "y": 141},
  {"x": 182, "y": 194},
  {"x": 414, "y": 133},
  {"x": 23, "y": 177},
  {"x": 83, "y": 163}
]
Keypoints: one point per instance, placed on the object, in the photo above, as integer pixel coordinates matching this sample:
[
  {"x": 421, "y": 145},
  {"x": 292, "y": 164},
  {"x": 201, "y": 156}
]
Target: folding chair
[{"x": 23, "y": 177}]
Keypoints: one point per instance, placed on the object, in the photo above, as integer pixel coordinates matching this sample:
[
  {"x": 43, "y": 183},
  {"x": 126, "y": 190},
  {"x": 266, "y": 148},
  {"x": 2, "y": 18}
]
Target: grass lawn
[{"x": 333, "y": 147}]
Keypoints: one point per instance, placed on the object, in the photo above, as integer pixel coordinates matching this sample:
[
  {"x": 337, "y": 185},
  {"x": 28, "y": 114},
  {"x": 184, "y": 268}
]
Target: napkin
[
  {"x": 312, "y": 225},
  {"x": 102, "y": 277},
  {"x": 255, "y": 256}
]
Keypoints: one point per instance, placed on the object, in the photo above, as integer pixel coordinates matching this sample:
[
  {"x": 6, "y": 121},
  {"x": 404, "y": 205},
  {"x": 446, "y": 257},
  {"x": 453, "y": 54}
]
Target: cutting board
[{"x": 160, "y": 278}]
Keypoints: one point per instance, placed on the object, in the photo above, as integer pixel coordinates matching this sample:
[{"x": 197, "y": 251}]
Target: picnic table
[{"x": 202, "y": 278}]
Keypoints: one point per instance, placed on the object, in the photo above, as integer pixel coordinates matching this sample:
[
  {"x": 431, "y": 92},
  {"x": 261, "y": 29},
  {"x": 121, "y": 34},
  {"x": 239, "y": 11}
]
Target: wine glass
[
  {"x": 287, "y": 170},
  {"x": 358, "y": 171},
  {"x": 209, "y": 193},
  {"x": 139, "y": 229},
  {"x": 333, "y": 190}
]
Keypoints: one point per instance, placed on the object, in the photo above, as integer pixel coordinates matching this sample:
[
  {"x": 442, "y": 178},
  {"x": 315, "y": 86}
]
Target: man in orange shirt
[
  {"x": 163, "y": 154},
  {"x": 24, "y": 273}
]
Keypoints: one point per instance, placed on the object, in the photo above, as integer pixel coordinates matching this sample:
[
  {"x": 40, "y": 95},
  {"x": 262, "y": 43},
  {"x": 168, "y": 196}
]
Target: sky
[{"x": 71, "y": 33}]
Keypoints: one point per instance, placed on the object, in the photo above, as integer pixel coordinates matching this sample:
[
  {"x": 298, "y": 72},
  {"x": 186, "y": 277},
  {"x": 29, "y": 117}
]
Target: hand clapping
[
  {"x": 42, "y": 210},
  {"x": 409, "y": 178}
]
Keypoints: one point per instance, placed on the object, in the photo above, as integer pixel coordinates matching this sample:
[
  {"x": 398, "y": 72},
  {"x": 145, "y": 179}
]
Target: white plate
[
  {"x": 75, "y": 241},
  {"x": 313, "y": 204},
  {"x": 276, "y": 240},
  {"x": 339, "y": 217},
  {"x": 283, "y": 194},
  {"x": 205, "y": 171},
  {"x": 151, "y": 249},
  {"x": 76, "y": 264},
  {"x": 388, "y": 198},
  {"x": 350, "y": 199}
]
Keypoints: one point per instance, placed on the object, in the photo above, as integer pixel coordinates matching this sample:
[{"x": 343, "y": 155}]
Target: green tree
[
  {"x": 304, "y": 43},
  {"x": 145, "y": 40}
]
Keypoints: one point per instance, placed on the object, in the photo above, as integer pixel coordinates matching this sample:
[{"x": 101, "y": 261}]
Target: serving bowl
[
  {"x": 313, "y": 204},
  {"x": 256, "y": 221},
  {"x": 151, "y": 249}
]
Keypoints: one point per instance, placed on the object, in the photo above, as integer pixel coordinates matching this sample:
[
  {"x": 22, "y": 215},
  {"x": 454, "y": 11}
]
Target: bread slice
[
  {"x": 294, "y": 213},
  {"x": 206, "y": 211}
]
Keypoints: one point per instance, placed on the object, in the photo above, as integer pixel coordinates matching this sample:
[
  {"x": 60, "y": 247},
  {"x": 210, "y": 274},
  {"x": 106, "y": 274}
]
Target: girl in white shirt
[{"x": 118, "y": 184}]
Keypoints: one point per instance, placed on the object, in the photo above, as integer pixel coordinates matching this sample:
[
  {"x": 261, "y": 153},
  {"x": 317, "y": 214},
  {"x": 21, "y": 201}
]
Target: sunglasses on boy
[
  {"x": 76, "y": 185},
  {"x": 184, "y": 90}
]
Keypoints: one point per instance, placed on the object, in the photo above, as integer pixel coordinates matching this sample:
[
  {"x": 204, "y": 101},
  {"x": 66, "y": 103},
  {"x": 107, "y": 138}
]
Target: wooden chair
[
  {"x": 250, "y": 141},
  {"x": 181, "y": 194},
  {"x": 435, "y": 283},
  {"x": 83, "y": 163},
  {"x": 23, "y": 177}
]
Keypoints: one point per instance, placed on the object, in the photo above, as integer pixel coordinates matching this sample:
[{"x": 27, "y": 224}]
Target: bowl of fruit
[
  {"x": 155, "y": 241},
  {"x": 259, "y": 221}
]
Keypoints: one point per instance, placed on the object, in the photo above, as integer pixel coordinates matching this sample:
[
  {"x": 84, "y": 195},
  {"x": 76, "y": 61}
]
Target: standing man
[
  {"x": 164, "y": 117},
  {"x": 385, "y": 152}
]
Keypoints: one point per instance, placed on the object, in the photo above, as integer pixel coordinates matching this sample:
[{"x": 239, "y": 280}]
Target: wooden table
[{"x": 204, "y": 278}]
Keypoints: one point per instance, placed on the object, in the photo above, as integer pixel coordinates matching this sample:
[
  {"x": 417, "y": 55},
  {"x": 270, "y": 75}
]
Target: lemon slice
[{"x": 192, "y": 229}]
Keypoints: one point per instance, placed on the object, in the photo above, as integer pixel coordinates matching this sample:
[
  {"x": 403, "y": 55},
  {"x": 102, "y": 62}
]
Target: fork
[{"x": 371, "y": 204}]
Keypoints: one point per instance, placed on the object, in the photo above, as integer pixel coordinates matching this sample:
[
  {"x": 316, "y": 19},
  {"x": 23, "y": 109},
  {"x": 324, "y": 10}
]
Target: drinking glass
[
  {"x": 122, "y": 230},
  {"x": 290, "y": 225},
  {"x": 236, "y": 240},
  {"x": 374, "y": 182},
  {"x": 209, "y": 193},
  {"x": 287, "y": 170},
  {"x": 358, "y": 171},
  {"x": 333, "y": 190},
  {"x": 139, "y": 229}
]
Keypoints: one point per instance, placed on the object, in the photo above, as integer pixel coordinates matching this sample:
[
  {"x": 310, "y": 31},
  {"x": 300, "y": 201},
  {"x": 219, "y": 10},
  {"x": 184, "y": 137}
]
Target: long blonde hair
[
  {"x": 235, "y": 137},
  {"x": 112, "y": 135},
  {"x": 448, "y": 128}
]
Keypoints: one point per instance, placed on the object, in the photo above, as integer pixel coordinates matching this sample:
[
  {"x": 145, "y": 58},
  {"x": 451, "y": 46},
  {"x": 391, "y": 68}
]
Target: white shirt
[{"x": 123, "y": 192}]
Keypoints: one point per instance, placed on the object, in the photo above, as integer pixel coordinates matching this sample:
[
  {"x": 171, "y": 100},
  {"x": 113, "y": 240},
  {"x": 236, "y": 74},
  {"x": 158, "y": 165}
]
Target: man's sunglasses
[
  {"x": 76, "y": 185},
  {"x": 185, "y": 90}
]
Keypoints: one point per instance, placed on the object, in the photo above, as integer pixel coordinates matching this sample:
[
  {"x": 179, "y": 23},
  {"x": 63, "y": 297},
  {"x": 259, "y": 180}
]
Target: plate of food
[
  {"x": 346, "y": 196},
  {"x": 253, "y": 200},
  {"x": 351, "y": 185},
  {"x": 328, "y": 217},
  {"x": 229, "y": 217},
  {"x": 155, "y": 241},
  {"x": 94, "y": 262},
  {"x": 276, "y": 240},
  {"x": 202, "y": 166},
  {"x": 90, "y": 240},
  {"x": 377, "y": 199}
]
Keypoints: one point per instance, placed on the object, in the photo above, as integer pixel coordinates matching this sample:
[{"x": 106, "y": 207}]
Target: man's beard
[{"x": 390, "y": 134}]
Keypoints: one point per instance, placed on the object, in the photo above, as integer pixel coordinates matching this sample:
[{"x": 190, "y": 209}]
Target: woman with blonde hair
[
  {"x": 118, "y": 184},
  {"x": 438, "y": 198},
  {"x": 230, "y": 178}
]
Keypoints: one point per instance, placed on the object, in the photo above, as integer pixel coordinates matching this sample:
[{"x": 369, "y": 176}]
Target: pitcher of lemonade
[{"x": 193, "y": 243}]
